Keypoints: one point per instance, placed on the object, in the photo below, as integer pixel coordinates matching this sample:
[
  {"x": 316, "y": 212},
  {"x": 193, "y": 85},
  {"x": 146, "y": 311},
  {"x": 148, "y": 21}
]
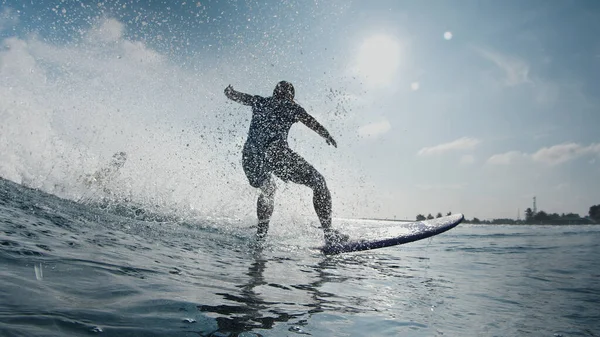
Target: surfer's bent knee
[{"x": 268, "y": 186}]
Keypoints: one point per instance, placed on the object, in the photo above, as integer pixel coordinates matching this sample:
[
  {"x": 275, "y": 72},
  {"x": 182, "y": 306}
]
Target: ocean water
[{"x": 77, "y": 269}]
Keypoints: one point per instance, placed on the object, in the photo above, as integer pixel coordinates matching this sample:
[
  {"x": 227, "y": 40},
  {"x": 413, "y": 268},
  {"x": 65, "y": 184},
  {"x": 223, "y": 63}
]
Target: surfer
[{"x": 266, "y": 153}]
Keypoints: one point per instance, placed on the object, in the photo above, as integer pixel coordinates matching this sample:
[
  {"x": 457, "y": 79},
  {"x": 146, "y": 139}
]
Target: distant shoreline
[
  {"x": 531, "y": 224},
  {"x": 487, "y": 223}
]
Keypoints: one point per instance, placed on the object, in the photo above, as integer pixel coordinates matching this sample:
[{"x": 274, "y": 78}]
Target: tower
[{"x": 534, "y": 206}]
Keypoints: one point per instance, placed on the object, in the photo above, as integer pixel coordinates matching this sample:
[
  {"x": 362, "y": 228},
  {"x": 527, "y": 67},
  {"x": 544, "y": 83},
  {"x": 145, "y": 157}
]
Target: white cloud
[
  {"x": 516, "y": 70},
  {"x": 103, "y": 53},
  {"x": 67, "y": 107},
  {"x": 374, "y": 130},
  {"x": 593, "y": 149},
  {"x": 461, "y": 144},
  {"x": 561, "y": 153},
  {"x": 552, "y": 155},
  {"x": 506, "y": 158},
  {"x": 8, "y": 18},
  {"x": 467, "y": 159},
  {"x": 109, "y": 30}
]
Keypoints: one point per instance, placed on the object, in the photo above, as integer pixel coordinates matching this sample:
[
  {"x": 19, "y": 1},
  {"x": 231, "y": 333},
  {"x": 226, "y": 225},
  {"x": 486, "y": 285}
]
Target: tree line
[
  {"x": 532, "y": 217},
  {"x": 421, "y": 217},
  {"x": 542, "y": 217}
]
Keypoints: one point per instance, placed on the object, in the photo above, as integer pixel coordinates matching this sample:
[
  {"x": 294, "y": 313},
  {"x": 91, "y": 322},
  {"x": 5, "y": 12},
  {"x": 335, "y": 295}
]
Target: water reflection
[
  {"x": 337, "y": 285},
  {"x": 253, "y": 312}
]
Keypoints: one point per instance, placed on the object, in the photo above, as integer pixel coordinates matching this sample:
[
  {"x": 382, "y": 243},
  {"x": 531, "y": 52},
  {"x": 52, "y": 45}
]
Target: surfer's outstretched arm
[
  {"x": 237, "y": 96},
  {"x": 314, "y": 125}
]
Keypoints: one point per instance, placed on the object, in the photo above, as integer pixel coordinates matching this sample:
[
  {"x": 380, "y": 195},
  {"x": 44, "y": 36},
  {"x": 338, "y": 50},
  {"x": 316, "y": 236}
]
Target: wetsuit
[{"x": 266, "y": 150}]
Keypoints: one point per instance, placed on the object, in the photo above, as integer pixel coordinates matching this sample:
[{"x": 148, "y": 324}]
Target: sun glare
[{"x": 378, "y": 59}]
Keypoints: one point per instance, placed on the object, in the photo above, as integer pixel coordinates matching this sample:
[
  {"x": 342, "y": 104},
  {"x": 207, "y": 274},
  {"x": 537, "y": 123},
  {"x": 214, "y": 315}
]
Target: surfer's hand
[
  {"x": 229, "y": 90},
  {"x": 331, "y": 141}
]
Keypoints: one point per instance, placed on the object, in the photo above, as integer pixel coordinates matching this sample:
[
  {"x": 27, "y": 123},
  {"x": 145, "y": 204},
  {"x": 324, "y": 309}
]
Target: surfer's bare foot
[{"x": 333, "y": 236}]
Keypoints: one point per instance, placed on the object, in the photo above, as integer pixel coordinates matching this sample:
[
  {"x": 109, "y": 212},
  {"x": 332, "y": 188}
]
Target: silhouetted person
[{"x": 266, "y": 152}]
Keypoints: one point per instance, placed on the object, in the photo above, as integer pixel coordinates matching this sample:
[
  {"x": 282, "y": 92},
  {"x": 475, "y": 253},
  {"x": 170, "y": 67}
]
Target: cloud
[
  {"x": 593, "y": 149},
  {"x": 561, "y": 153},
  {"x": 515, "y": 69},
  {"x": 506, "y": 158},
  {"x": 109, "y": 30},
  {"x": 104, "y": 52},
  {"x": 461, "y": 144},
  {"x": 374, "y": 130},
  {"x": 66, "y": 107},
  {"x": 467, "y": 159},
  {"x": 8, "y": 18},
  {"x": 553, "y": 155}
]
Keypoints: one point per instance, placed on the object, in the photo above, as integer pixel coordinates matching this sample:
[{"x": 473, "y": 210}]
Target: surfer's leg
[
  {"x": 265, "y": 205},
  {"x": 253, "y": 162},
  {"x": 291, "y": 166},
  {"x": 321, "y": 198},
  {"x": 321, "y": 195},
  {"x": 322, "y": 204}
]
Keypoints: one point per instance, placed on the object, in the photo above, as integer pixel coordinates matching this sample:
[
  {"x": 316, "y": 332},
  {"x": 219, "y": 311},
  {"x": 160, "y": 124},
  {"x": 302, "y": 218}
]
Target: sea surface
[{"x": 73, "y": 269}]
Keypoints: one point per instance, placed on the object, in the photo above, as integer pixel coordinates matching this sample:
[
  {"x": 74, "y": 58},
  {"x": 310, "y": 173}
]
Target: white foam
[{"x": 67, "y": 108}]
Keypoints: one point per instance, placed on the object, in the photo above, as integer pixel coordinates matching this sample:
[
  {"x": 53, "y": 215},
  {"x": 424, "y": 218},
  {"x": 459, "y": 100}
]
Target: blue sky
[{"x": 463, "y": 106}]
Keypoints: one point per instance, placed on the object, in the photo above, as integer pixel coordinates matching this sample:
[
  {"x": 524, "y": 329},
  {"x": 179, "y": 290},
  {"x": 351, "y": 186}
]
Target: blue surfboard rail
[{"x": 447, "y": 223}]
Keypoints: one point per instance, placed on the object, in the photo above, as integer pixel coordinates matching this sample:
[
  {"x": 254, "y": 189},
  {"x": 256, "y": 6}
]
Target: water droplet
[
  {"x": 96, "y": 329},
  {"x": 39, "y": 273}
]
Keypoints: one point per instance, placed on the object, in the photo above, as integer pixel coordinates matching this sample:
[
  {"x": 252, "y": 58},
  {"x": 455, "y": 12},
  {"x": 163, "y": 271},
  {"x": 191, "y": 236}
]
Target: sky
[{"x": 470, "y": 107}]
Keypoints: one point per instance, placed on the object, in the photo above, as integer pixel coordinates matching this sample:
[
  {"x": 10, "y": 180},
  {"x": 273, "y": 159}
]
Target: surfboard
[{"x": 374, "y": 234}]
